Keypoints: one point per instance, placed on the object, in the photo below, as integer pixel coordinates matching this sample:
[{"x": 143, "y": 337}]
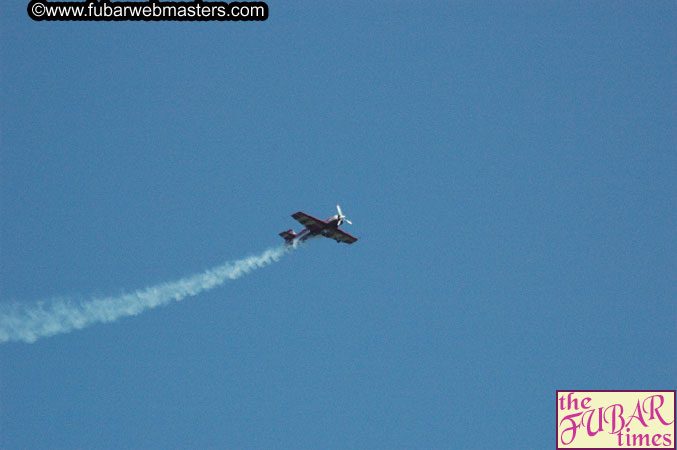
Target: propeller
[{"x": 341, "y": 217}]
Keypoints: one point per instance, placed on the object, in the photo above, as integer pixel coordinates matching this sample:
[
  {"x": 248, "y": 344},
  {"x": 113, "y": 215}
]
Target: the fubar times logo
[{"x": 615, "y": 419}]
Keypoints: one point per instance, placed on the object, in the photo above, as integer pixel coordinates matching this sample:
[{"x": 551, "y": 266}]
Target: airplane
[{"x": 317, "y": 227}]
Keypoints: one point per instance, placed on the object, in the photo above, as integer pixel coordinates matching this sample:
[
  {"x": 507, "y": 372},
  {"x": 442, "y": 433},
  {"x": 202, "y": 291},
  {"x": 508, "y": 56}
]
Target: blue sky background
[{"x": 509, "y": 169}]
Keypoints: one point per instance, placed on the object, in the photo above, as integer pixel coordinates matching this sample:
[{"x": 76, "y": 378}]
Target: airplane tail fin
[{"x": 288, "y": 235}]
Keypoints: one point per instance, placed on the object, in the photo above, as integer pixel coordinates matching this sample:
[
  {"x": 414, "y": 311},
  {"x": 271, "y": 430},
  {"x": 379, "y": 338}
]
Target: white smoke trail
[{"x": 24, "y": 323}]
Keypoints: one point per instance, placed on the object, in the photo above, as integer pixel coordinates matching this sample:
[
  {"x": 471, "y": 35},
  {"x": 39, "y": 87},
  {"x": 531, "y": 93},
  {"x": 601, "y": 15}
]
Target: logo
[{"x": 616, "y": 419}]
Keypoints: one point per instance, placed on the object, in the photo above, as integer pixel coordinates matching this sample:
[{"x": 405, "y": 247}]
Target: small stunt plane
[{"x": 317, "y": 227}]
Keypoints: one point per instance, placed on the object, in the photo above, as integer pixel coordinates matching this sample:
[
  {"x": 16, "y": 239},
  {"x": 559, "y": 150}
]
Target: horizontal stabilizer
[{"x": 288, "y": 235}]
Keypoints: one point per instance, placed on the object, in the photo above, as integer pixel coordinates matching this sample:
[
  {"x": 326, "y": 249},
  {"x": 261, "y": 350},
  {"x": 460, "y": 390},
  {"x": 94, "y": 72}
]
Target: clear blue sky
[{"x": 509, "y": 169}]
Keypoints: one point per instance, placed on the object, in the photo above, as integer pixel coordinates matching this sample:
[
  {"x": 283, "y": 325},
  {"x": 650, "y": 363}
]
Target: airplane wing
[
  {"x": 310, "y": 222},
  {"x": 339, "y": 235}
]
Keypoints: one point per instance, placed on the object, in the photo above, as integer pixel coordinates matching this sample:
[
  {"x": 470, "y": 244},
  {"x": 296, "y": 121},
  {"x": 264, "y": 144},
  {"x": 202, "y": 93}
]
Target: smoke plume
[{"x": 29, "y": 323}]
